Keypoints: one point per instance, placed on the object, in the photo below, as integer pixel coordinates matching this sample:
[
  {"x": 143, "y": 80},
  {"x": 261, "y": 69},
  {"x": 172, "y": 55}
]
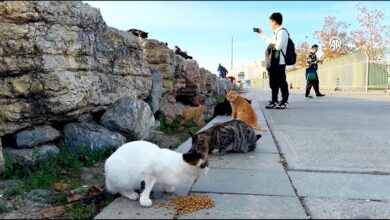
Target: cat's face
[
  {"x": 231, "y": 95},
  {"x": 201, "y": 143},
  {"x": 198, "y": 159}
]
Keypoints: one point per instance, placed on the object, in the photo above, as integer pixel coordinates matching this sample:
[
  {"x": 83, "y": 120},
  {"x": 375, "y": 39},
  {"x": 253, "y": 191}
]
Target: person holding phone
[
  {"x": 277, "y": 74},
  {"x": 311, "y": 72}
]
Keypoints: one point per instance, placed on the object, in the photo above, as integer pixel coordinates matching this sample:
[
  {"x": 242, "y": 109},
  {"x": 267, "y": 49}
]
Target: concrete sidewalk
[
  {"x": 336, "y": 152},
  {"x": 252, "y": 185}
]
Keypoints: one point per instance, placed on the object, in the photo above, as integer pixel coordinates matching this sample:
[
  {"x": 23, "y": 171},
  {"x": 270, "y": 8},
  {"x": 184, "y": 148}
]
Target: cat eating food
[
  {"x": 234, "y": 135},
  {"x": 139, "y": 165},
  {"x": 242, "y": 110}
]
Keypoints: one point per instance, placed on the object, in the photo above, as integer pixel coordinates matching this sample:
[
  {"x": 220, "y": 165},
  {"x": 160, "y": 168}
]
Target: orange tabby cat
[
  {"x": 242, "y": 110},
  {"x": 193, "y": 112}
]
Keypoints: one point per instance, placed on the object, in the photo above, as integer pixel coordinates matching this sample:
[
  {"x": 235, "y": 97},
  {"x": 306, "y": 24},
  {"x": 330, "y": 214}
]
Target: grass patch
[
  {"x": 169, "y": 128},
  {"x": 80, "y": 211},
  {"x": 64, "y": 167}
]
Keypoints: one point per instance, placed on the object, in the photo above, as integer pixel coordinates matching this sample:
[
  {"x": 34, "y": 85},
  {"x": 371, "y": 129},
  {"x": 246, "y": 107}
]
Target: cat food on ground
[{"x": 192, "y": 203}]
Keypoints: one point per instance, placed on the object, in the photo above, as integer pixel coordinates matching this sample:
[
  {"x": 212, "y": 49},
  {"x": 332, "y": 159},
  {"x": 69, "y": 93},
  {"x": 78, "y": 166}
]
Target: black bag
[{"x": 290, "y": 58}]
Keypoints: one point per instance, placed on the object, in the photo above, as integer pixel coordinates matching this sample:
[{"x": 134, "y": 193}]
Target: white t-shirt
[{"x": 280, "y": 42}]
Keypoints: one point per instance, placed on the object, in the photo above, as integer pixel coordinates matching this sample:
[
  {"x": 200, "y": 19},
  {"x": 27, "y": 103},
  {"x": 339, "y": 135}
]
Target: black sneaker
[
  {"x": 271, "y": 105},
  {"x": 320, "y": 95},
  {"x": 282, "y": 105},
  {"x": 309, "y": 96}
]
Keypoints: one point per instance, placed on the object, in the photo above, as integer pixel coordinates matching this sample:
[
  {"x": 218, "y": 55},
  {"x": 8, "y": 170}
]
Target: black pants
[
  {"x": 315, "y": 85},
  {"x": 277, "y": 80}
]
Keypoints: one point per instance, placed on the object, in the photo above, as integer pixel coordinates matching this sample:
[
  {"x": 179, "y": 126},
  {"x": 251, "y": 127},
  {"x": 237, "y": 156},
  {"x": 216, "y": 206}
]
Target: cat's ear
[{"x": 192, "y": 157}]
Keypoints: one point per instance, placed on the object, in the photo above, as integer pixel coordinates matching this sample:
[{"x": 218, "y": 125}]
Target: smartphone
[{"x": 256, "y": 30}]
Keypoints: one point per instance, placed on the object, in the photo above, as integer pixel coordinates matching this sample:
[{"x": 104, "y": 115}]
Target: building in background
[{"x": 249, "y": 74}]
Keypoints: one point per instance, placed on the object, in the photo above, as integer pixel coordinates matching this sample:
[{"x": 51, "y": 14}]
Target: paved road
[{"x": 337, "y": 153}]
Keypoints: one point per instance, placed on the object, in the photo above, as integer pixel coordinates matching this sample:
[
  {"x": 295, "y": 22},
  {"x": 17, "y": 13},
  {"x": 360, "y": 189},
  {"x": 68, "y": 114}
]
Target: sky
[{"x": 205, "y": 28}]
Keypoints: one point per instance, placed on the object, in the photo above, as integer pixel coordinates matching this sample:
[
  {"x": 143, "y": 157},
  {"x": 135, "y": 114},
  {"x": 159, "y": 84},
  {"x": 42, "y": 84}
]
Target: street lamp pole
[{"x": 231, "y": 59}]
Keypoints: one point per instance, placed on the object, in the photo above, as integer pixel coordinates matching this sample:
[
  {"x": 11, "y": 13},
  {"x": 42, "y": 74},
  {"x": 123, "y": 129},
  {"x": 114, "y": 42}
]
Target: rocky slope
[{"x": 60, "y": 63}]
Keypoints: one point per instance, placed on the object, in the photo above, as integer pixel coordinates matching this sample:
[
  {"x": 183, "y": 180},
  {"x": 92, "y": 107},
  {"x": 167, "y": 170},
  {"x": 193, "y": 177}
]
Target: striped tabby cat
[{"x": 233, "y": 135}]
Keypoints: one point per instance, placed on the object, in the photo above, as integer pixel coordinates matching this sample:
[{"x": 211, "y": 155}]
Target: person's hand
[{"x": 260, "y": 31}]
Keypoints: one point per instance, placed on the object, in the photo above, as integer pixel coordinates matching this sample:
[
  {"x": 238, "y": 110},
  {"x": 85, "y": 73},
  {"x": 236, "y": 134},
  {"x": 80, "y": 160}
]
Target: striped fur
[{"x": 234, "y": 135}]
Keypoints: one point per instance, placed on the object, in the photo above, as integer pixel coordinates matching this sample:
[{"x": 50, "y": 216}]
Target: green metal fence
[{"x": 353, "y": 72}]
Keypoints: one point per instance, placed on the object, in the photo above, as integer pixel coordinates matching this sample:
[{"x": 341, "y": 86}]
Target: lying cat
[
  {"x": 225, "y": 108},
  {"x": 193, "y": 112},
  {"x": 242, "y": 110},
  {"x": 232, "y": 135},
  {"x": 139, "y": 165}
]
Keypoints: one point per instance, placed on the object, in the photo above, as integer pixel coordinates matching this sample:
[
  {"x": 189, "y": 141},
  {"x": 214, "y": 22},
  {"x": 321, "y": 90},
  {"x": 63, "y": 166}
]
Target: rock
[
  {"x": 24, "y": 156},
  {"x": 129, "y": 115},
  {"x": 169, "y": 110},
  {"x": 160, "y": 58},
  {"x": 87, "y": 117},
  {"x": 94, "y": 136},
  {"x": 1, "y": 159},
  {"x": 165, "y": 141},
  {"x": 4, "y": 184},
  {"x": 46, "y": 150},
  {"x": 155, "y": 95},
  {"x": 38, "y": 194},
  {"x": 92, "y": 175},
  {"x": 35, "y": 136},
  {"x": 180, "y": 129},
  {"x": 59, "y": 60}
]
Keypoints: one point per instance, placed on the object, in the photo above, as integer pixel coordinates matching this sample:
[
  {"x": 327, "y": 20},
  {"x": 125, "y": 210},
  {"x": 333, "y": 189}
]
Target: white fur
[{"x": 144, "y": 161}]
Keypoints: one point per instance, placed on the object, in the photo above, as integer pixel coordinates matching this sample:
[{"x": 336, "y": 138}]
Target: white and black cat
[{"x": 139, "y": 165}]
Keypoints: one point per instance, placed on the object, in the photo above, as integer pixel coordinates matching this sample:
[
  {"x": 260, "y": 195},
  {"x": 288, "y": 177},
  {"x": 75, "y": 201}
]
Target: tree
[
  {"x": 373, "y": 35},
  {"x": 333, "y": 28},
  {"x": 302, "y": 52}
]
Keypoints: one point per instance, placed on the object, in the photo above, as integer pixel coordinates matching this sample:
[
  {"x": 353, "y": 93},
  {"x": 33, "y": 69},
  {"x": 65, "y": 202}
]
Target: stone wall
[{"x": 60, "y": 63}]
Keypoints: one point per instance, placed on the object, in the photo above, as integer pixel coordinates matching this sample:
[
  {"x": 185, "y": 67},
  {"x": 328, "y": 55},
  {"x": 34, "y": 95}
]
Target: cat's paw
[
  {"x": 169, "y": 189},
  {"x": 145, "y": 202}
]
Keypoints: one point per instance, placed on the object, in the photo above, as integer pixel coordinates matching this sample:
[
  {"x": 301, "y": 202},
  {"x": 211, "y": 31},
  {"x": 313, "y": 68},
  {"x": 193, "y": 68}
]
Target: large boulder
[
  {"x": 129, "y": 115},
  {"x": 35, "y": 136},
  {"x": 157, "y": 90},
  {"x": 96, "y": 137},
  {"x": 59, "y": 59}
]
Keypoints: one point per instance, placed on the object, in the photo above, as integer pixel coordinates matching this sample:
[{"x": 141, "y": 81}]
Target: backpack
[{"x": 290, "y": 58}]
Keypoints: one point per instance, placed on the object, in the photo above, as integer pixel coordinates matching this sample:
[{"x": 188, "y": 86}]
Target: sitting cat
[
  {"x": 225, "y": 108},
  {"x": 242, "y": 110},
  {"x": 138, "y": 165},
  {"x": 232, "y": 135},
  {"x": 193, "y": 112}
]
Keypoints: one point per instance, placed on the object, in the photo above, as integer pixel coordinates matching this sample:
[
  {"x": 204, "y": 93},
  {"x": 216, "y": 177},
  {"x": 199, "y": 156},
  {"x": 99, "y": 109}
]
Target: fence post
[{"x": 367, "y": 66}]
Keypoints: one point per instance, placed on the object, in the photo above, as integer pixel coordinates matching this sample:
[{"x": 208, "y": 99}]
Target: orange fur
[
  {"x": 193, "y": 112},
  {"x": 242, "y": 110}
]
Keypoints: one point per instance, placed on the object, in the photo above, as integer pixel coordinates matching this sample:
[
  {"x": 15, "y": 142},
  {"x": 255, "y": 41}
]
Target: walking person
[
  {"x": 222, "y": 71},
  {"x": 277, "y": 47},
  {"x": 311, "y": 73}
]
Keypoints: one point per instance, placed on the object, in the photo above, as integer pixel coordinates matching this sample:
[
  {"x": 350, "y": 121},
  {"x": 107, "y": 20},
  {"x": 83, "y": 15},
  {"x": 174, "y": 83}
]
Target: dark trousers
[
  {"x": 315, "y": 84},
  {"x": 277, "y": 80}
]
